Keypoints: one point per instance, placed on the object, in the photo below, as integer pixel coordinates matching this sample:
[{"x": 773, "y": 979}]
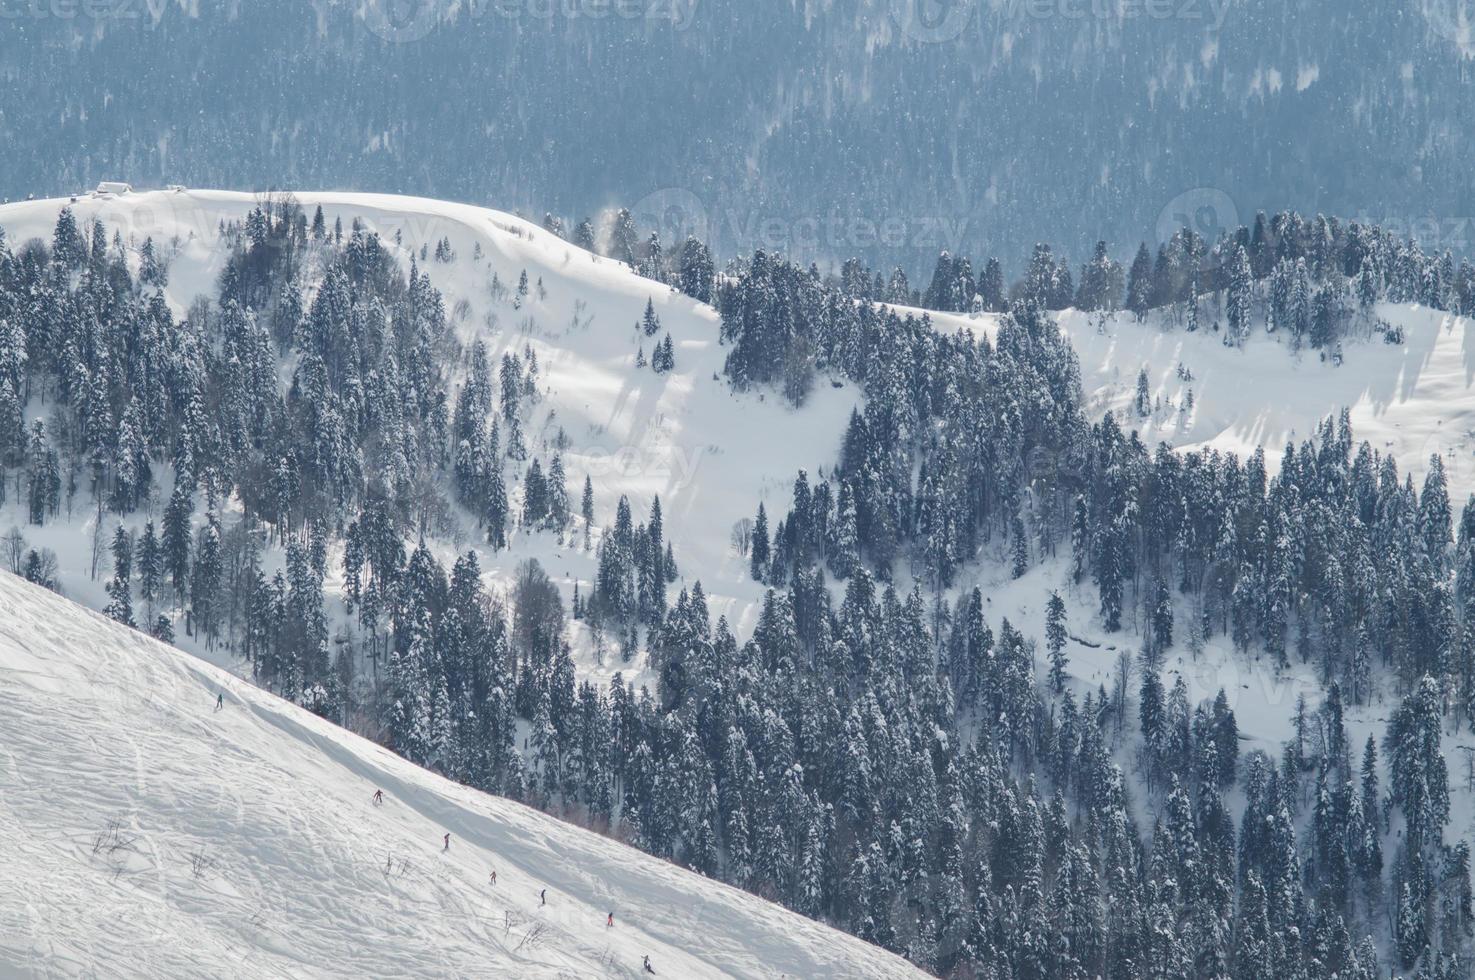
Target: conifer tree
[
  {"x": 1162, "y": 616},
  {"x": 119, "y": 589},
  {"x": 1018, "y": 547},
  {"x": 1055, "y": 636},
  {"x": 758, "y": 554},
  {"x": 534, "y": 497},
  {"x": 1238, "y": 298},
  {"x": 586, "y": 510},
  {"x": 991, "y": 287},
  {"x": 205, "y": 579},
  {"x": 584, "y": 235},
  {"x": 150, "y": 568},
  {"x": 1142, "y": 401},
  {"x": 695, "y": 279},
  {"x": 44, "y": 479},
  {"x": 1139, "y": 283},
  {"x": 497, "y": 510},
  {"x": 176, "y": 539}
]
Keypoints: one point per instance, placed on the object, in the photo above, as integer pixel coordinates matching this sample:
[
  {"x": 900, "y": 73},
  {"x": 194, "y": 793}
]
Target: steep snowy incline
[{"x": 144, "y": 833}]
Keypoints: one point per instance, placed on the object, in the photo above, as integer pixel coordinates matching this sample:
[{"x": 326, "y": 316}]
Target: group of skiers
[
  {"x": 378, "y": 800},
  {"x": 609, "y": 921}
]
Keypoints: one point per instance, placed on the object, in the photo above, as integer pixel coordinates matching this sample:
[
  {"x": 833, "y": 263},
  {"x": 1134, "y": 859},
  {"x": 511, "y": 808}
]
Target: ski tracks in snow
[{"x": 143, "y": 832}]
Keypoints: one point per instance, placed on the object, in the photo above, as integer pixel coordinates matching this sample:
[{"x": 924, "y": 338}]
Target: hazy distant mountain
[{"x": 864, "y": 127}]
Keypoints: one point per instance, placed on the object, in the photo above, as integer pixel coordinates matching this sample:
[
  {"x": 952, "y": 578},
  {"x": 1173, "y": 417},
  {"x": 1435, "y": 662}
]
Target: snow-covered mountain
[
  {"x": 713, "y": 453},
  {"x": 1409, "y": 400},
  {"x": 710, "y": 453},
  {"x": 145, "y": 832}
]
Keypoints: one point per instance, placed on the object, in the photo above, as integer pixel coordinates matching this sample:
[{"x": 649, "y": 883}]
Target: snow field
[{"x": 145, "y": 833}]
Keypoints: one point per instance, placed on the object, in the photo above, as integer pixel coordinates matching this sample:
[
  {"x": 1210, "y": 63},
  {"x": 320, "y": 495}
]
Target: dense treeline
[
  {"x": 1313, "y": 280},
  {"x": 351, "y": 449},
  {"x": 1308, "y": 279},
  {"x": 1336, "y": 561}
]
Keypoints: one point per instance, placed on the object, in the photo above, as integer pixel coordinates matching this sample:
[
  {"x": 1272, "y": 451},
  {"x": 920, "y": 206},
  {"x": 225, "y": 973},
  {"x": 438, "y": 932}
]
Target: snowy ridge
[
  {"x": 712, "y": 454},
  {"x": 1409, "y": 400},
  {"x": 246, "y": 843}
]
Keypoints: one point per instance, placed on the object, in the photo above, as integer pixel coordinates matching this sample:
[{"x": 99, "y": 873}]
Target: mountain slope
[
  {"x": 709, "y": 453},
  {"x": 247, "y": 843},
  {"x": 712, "y": 454},
  {"x": 1410, "y": 400}
]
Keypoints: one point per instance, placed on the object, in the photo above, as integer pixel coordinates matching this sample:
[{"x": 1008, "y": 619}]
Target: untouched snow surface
[
  {"x": 1412, "y": 400},
  {"x": 144, "y": 833}
]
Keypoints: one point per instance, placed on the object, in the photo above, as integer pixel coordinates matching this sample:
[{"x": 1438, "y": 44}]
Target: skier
[
  {"x": 648, "y": 968},
  {"x": 219, "y": 700},
  {"x": 543, "y": 897},
  {"x": 494, "y": 876},
  {"x": 609, "y": 923},
  {"x": 378, "y": 797},
  {"x": 448, "y": 844}
]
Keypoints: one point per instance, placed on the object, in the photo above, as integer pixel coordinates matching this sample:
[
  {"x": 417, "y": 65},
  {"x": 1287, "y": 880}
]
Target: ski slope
[{"x": 247, "y": 844}]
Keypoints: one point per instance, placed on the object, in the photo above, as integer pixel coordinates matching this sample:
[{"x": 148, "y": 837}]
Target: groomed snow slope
[{"x": 247, "y": 844}]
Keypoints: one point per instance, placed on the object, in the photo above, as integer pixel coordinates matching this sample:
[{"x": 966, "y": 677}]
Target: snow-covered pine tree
[{"x": 1055, "y": 637}]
